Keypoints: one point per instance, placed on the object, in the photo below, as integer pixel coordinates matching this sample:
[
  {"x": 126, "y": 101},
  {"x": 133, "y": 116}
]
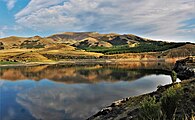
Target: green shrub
[
  {"x": 150, "y": 109},
  {"x": 173, "y": 76},
  {"x": 165, "y": 109},
  {"x": 169, "y": 102}
]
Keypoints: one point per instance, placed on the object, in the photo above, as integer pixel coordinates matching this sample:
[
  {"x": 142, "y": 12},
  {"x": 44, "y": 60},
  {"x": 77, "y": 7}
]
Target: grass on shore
[{"x": 8, "y": 62}]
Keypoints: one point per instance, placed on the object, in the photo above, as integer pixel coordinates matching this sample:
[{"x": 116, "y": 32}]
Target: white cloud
[
  {"x": 147, "y": 17},
  {"x": 36, "y": 5},
  {"x": 10, "y": 4}
]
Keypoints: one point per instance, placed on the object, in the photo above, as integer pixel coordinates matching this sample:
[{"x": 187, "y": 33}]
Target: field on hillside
[{"x": 142, "y": 47}]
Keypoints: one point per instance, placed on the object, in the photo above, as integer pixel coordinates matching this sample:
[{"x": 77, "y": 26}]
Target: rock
[
  {"x": 117, "y": 103},
  {"x": 104, "y": 111},
  {"x": 183, "y": 70}
]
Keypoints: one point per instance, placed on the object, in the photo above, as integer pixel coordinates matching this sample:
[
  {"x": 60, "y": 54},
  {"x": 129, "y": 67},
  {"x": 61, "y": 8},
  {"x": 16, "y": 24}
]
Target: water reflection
[
  {"x": 69, "y": 92},
  {"x": 86, "y": 74}
]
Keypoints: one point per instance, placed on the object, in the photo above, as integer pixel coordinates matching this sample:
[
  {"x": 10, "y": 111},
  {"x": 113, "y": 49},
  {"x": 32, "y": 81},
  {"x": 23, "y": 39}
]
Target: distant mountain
[
  {"x": 94, "y": 39},
  {"x": 76, "y": 39},
  {"x": 24, "y": 42}
]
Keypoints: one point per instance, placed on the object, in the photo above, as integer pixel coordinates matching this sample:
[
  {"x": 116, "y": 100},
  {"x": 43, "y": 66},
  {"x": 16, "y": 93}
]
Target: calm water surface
[{"x": 66, "y": 92}]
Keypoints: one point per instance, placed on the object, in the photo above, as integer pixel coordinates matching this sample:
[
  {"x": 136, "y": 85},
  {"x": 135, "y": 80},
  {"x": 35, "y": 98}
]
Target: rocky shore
[
  {"x": 180, "y": 97},
  {"x": 185, "y": 68},
  {"x": 130, "y": 108}
]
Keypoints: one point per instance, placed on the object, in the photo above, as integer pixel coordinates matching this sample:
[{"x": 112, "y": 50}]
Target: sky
[{"x": 169, "y": 20}]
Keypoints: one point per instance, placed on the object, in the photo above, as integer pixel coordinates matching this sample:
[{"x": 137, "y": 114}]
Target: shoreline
[{"x": 83, "y": 61}]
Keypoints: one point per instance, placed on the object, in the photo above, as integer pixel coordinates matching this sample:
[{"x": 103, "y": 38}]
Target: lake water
[{"x": 72, "y": 92}]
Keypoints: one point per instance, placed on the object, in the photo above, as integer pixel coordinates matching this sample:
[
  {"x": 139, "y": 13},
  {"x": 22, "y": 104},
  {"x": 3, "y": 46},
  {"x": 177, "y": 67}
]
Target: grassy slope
[
  {"x": 89, "y": 46},
  {"x": 64, "y": 52}
]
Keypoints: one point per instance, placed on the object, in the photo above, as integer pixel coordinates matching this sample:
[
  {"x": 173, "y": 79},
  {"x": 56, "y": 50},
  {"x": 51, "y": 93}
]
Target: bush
[
  {"x": 173, "y": 76},
  {"x": 150, "y": 109},
  {"x": 169, "y": 102},
  {"x": 165, "y": 109}
]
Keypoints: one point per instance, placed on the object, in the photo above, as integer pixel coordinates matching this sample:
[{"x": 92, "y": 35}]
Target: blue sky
[{"x": 157, "y": 19}]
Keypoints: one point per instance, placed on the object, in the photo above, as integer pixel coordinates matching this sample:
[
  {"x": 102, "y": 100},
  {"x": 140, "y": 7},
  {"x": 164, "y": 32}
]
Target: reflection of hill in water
[
  {"x": 78, "y": 98},
  {"x": 69, "y": 102},
  {"x": 48, "y": 100},
  {"x": 83, "y": 73}
]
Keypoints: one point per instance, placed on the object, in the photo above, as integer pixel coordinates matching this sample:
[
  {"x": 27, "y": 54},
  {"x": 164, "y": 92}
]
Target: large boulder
[{"x": 183, "y": 70}]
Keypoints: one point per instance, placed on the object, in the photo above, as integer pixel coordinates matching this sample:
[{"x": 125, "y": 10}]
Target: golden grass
[
  {"x": 36, "y": 55},
  {"x": 27, "y": 55}
]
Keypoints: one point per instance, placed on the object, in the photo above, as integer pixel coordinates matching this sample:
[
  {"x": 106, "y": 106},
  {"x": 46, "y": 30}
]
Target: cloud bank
[{"x": 156, "y": 18}]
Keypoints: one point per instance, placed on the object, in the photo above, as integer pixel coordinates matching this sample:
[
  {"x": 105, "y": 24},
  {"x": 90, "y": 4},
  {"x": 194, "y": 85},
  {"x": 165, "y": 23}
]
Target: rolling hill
[
  {"x": 78, "y": 39},
  {"x": 89, "y": 45}
]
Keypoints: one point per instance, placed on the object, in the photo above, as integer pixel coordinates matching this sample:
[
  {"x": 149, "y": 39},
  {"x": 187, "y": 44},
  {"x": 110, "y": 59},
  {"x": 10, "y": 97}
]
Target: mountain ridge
[{"x": 72, "y": 38}]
